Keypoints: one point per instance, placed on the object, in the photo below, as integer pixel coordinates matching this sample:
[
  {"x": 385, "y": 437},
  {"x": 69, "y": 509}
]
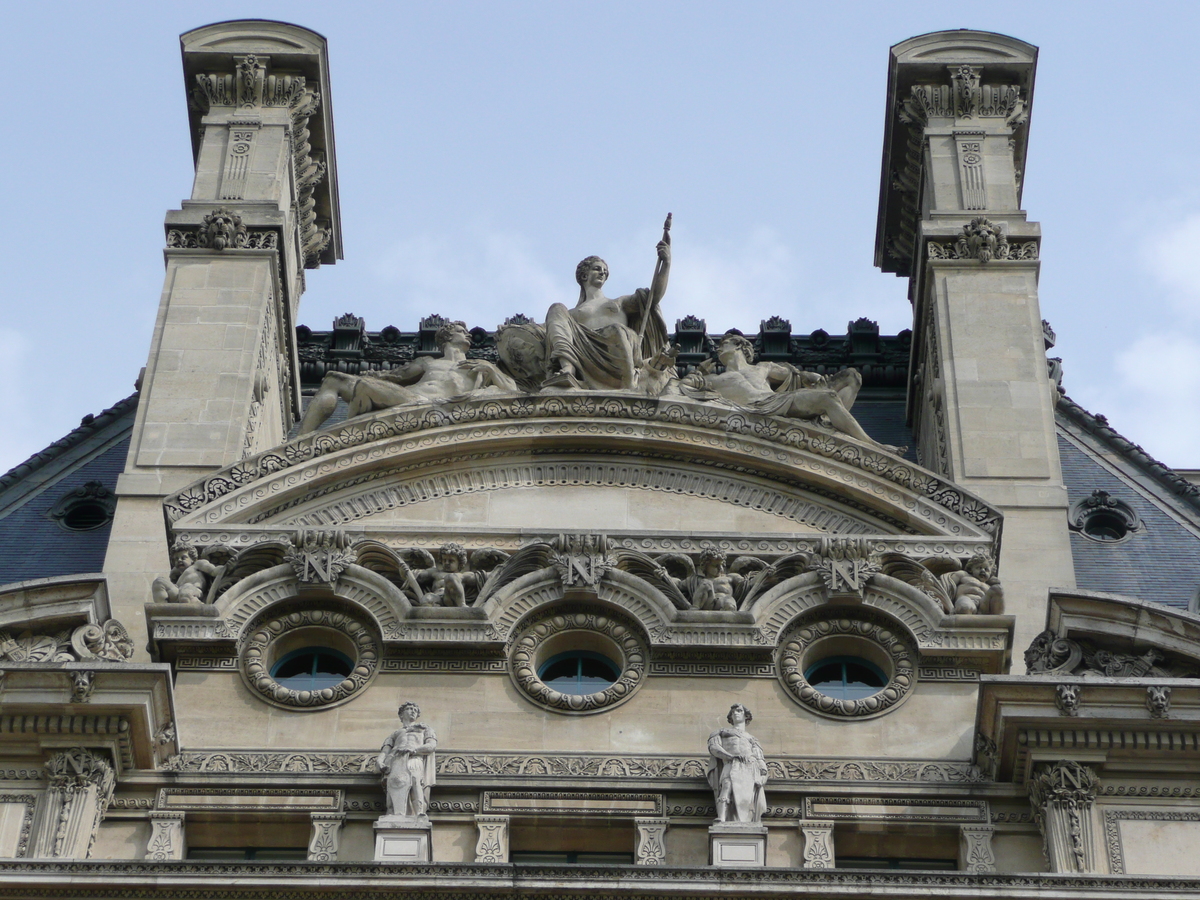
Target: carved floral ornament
[
  {"x": 1050, "y": 654},
  {"x": 107, "y": 641}
]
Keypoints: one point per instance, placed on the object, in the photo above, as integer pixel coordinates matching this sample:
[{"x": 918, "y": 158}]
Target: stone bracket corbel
[
  {"x": 492, "y": 845},
  {"x": 325, "y": 838},
  {"x": 818, "y": 843},
  {"x": 651, "y": 841}
]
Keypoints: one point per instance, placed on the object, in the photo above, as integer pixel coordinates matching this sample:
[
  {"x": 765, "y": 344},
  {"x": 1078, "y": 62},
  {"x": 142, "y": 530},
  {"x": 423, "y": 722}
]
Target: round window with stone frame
[
  {"x": 276, "y": 635},
  {"x": 1103, "y": 518},
  {"x": 823, "y": 637},
  {"x": 585, "y": 631}
]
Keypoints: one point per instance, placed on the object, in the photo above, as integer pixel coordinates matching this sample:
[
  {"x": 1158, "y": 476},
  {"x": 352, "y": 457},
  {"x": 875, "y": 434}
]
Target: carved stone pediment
[{"x": 788, "y": 471}]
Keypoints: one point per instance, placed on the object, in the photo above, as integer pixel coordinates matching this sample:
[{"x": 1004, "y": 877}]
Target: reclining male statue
[
  {"x": 778, "y": 389},
  {"x": 426, "y": 379}
]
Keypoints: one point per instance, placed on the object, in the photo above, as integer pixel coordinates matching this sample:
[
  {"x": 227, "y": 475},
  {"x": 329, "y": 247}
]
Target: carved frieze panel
[
  {"x": 28, "y": 803},
  {"x": 468, "y": 765}
]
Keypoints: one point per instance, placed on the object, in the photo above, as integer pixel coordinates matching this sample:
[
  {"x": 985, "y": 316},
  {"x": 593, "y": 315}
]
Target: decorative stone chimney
[
  {"x": 221, "y": 381},
  {"x": 950, "y": 221}
]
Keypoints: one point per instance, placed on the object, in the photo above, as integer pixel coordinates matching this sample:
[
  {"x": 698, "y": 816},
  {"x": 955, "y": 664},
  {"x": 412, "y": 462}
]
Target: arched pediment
[
  {"x": 617, "y": 589},
  {"x": 379, "y": 598},
  {"x": 781, "y": 470}
]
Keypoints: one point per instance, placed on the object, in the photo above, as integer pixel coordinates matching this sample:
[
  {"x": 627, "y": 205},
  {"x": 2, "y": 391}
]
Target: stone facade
[{"x": 562, "y": 550}]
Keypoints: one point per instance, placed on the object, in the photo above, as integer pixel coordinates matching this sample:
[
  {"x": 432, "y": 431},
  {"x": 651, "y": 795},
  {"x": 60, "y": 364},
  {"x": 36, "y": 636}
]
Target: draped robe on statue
[
  {"x": 606, "y": 358},
  {"x": 740, "y": 780}
]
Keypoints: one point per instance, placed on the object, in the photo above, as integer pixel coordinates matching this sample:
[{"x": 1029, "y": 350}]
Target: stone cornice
[{"x": 460, "y": 881}]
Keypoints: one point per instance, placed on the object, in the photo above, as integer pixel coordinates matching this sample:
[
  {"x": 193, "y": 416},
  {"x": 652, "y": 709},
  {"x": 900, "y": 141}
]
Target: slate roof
[
  {"x": 34, "y": 545},
  {"x": 1161, "y": 561}
]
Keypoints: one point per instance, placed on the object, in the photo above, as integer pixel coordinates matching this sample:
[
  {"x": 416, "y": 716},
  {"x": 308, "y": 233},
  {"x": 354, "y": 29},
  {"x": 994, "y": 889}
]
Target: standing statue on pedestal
[
  {"x": 737, "y": 770},
  {"x": 407, "y": 761},
  {"x": 600, "y": 343},
  {"x": 426, "y": 379}
]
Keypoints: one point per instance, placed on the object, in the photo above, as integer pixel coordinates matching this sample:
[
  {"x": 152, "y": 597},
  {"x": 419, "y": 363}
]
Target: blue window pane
[
  {"x": 579, "y": 672},
  {"x": 846, "y": 678},
  {"x": 312, "y": 669}
]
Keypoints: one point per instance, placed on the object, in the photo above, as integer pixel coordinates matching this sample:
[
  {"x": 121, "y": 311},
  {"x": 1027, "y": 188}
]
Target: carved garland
[
  {"x": 255, "y": 653},
  {"x": 618, "y": 628},
  {"x": 885, "y": 634}
]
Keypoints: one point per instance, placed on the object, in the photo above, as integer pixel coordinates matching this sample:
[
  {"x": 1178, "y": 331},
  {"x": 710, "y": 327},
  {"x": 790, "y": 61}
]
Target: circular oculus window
[
  {"x": 309, "y": 659},
  {"x": 846, "y": 666},
  {"x": 578, "y": 660}
]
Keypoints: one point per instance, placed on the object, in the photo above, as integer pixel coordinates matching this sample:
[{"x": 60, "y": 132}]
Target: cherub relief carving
[
  {"x": 713, "y": 582},
  {"x": 192, "y": 573},
  {"x": 452, "y": 577},
  {"x": 959, "y": 589}
]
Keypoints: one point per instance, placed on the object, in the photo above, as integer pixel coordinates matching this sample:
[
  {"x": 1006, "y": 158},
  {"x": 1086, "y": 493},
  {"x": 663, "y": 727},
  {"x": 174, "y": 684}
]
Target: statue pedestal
[
  {"x": 741, "y": 845},
  {"x": 402, "y": 839}
]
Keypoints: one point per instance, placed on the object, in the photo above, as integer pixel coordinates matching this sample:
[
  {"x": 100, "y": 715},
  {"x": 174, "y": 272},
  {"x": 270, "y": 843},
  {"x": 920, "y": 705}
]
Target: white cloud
[
  {"x": 737, "y": 285},
  {"x": 1155, "y": 400},
  {"x": 484, "y": 276},
  {"x": 1173, "y": 257}
]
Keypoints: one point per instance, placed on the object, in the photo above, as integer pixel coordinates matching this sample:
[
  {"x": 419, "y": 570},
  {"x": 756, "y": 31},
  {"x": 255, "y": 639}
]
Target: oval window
[
  {"x": 846, "y": 677},
  {"x": 579, "y": 672},
  {"x": 312, "y": 668}
]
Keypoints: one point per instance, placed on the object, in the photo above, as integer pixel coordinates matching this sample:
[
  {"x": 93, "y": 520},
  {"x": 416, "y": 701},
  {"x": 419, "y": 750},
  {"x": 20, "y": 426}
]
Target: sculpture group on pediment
[
  {"x": 599, "y": 344},
  {"x": 778, "y": 389},
  {"x": 426, "y": 379}
]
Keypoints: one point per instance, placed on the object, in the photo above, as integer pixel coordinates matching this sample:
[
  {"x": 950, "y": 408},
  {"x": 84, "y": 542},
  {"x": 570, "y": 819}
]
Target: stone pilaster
[
  {"x": 325, "y": 837},
  {"x": 980, "y": 402},
  {"x": 1062, "y": 796},
  {"x": 221, "y": 377},
  {"x": 651, "y": 841},
  {"x": 818, "y": 844},
  {"x": 492, "y": 846},
  {"x": 975, "y": 848},
  {"x": 167, "y": 836},
  {"x": 81, "y": 785}
]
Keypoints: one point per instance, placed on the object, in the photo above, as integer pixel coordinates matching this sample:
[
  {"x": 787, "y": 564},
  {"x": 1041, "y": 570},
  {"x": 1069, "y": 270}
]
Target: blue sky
[{"x": 484, "y": 148}]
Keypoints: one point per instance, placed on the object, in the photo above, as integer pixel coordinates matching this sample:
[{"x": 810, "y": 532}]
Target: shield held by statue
[{"x": 522, "y": 349}]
